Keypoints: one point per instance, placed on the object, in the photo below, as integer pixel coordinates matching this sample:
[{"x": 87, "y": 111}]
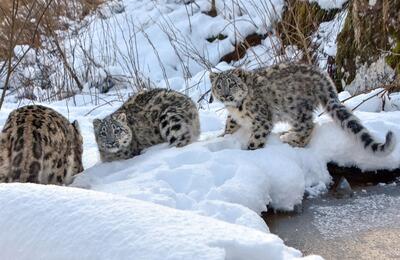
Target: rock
[
  {"x": 343, "y": 189},
  {"x": 371, "y": 31}
]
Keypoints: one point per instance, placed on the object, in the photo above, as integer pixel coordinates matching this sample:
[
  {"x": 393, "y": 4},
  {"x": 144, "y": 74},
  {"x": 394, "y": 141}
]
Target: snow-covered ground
[
  {"x": 214, "y": 177},
  {"x": 49, "y": 222}
]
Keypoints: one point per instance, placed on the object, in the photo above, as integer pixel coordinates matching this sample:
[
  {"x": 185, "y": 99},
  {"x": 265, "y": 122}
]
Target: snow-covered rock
[{"x": 376, "y": 75}]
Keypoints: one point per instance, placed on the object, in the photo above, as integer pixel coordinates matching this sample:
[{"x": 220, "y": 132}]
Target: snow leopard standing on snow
[
  {"x": 145, "y": 119},
  {"x": 286, "y": 92}
]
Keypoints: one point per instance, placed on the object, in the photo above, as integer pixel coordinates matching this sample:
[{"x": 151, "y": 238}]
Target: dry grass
[
  {"x": 26, "y": 22},
  {"x": 299, "y": 21},
  {"x": 21, "y": 17}
]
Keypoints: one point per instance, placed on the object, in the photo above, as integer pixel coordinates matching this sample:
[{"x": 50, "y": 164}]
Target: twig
[
  {"x": 11, "y": 68},
  {"x": 107, "y": 103},
  {"x": 368, "y": 98},
  {"x": 203, "y": 96}
]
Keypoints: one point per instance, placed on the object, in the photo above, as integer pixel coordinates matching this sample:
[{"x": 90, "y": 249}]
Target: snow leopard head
[
  {"x": 112, "y": 133},
  {"x": 228, "y": 87}
]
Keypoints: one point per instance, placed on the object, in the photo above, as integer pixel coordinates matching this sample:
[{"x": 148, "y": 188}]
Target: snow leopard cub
[
  {"x": 40, "y": 145},
  {"x": 286, "y": 92},
  {"x": 145, "y": 119}
]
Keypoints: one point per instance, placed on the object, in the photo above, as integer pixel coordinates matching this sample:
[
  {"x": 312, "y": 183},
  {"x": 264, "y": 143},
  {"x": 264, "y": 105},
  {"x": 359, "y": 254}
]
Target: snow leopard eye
[
  {"x": 219, "y": 86},
  {"x": 103, "y": 134},
  {"x": 117, "y": 131}
]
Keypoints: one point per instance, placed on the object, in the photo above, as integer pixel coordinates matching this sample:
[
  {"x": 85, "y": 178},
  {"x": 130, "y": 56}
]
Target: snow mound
[
  {"x": 214, "y": 178},
  {"x": 329, "y": 4},
  {"x": 50, "y": 222}
]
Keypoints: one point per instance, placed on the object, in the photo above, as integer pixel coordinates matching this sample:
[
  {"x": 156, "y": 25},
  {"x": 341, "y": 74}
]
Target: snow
[
  {"x": 329, "y": 4},
  {"x": 50, "y": 222},
  {"x": 377, "y": 100},
  {"x": 266, "y": 54},
  {"x": 155, "y": 41},
  {"x": 372, "y": 76},
  {"x": 325, "y": 38}
]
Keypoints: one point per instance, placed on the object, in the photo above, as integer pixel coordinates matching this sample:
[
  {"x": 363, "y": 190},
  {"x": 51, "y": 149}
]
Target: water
[{"x": 365, "y": 225}]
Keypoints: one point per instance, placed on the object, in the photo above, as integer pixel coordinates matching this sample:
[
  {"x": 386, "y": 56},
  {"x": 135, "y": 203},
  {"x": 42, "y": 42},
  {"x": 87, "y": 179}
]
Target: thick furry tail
[
  {"x": 178, "y": 128},
  {"x": 351, "y": 124}
]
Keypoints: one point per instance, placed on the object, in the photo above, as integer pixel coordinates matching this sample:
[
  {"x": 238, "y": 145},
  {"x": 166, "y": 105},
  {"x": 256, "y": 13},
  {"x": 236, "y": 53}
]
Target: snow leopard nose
[
  {"x": 228, "y": 97},
  {"x": 112, "y": 145}
]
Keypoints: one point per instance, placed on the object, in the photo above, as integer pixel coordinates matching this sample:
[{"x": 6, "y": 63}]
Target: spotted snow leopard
[
  {"x": 39, "y": 145},
  {"x": 286, "y": 92},
  {"x": 145, "y": 119}
]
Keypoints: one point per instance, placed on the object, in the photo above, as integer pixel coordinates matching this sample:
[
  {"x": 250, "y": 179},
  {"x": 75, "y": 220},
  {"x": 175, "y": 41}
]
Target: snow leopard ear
[
  {"x": 240, "y": 73},
  {"x": 213, "y": 76},
  {"x": 211, "y": 99},
  {"x": 75, "y": 124},
  {"x": 121, "y": 117},
  {"x": 96, "y": 123}
]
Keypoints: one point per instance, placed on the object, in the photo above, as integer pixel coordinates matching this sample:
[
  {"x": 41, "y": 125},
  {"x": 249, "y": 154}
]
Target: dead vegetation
[
  {"x": 300, "y": 20},
  {"x": 49, "y": 28},
  {"x": 28, "y": 22}
]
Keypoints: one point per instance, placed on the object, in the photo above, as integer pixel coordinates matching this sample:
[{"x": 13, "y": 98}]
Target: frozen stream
[{"x": 364, "y": 226}]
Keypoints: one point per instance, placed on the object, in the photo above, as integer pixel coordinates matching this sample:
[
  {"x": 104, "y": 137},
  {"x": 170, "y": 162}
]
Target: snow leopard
[
  {"x": 291, "y": 93},
  {"x": 39, "y": 145},
  {"x": 147, "y": 118}
]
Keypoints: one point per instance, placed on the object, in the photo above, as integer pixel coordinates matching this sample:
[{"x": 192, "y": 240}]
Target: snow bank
[
  {"x": 329, "y": 4},
  {"x": 50, "y": 222}
]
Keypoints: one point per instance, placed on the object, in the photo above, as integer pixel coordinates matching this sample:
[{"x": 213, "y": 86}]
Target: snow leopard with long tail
[{"x": 286, "y": 92}]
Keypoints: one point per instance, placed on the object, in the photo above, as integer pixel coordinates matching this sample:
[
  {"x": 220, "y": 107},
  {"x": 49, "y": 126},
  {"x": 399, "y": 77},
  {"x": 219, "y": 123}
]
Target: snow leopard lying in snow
[{"x": 145, "y": 119}]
